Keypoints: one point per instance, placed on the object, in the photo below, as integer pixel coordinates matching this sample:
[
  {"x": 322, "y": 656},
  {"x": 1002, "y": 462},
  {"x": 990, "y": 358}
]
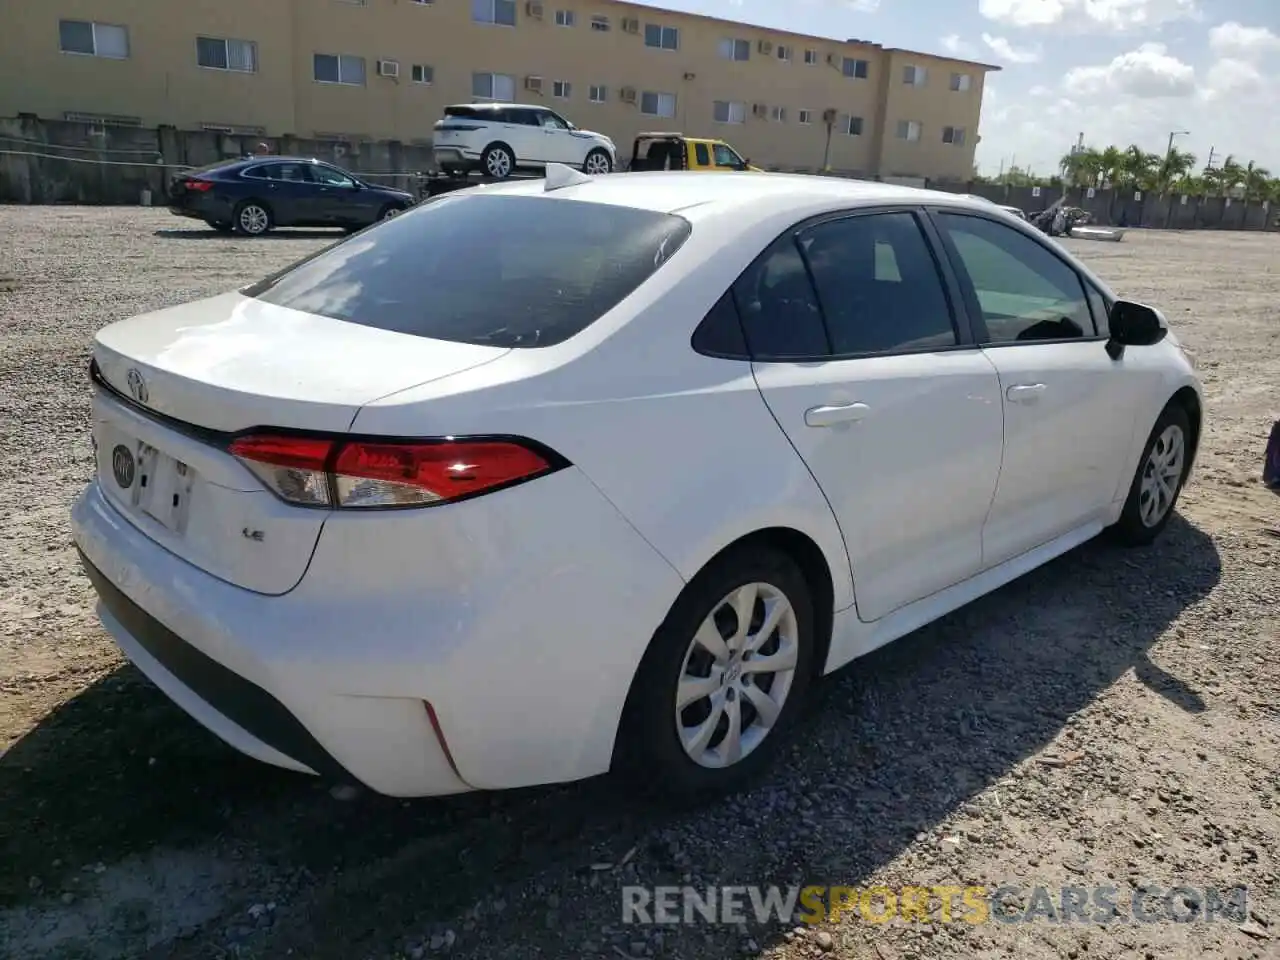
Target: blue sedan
[{"x": 252, "y": 196}]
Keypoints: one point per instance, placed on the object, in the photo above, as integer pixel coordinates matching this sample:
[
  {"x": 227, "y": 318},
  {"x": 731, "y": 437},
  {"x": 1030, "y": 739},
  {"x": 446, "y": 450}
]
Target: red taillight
[
  {"x": 372, "y": 473},
  {"x": 199, "y": 186}
]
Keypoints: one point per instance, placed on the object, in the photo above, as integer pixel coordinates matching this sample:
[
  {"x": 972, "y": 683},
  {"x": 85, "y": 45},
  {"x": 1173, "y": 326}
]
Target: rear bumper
[
  {"x": 521, "y": 630},
  {"x": 455, "y": 156}
]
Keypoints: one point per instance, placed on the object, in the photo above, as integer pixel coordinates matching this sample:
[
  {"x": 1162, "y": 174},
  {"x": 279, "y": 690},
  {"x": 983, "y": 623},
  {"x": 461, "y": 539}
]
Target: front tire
[
  {"x": 251, "y": 218},
  {"x": 1161, "y": 472},
  {"x": 498, "y": 161},
  {"x": 723, "y": 679},
  {"x": 597, "y": 161}
]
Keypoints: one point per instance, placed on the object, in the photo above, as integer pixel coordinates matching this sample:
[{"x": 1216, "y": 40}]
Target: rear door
[
  {"x": 1069, "y": 408},
  {"x": 521, "y": 128},
  {"x": 869, "y": 368},
  {"x": 286, "y": 186}
]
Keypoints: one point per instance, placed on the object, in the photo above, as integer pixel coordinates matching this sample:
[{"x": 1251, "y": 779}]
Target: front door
[
  {"x": 1069, "y": 408},
  {"x": 871, "y": 374},
  {"x": 726, "y": 158},
  {"x": 336, "y": 197},
  {"x": 559, "y": 145}
]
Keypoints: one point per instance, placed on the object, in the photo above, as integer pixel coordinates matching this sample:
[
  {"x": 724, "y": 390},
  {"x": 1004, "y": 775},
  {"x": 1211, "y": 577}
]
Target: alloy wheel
[
  {"x": 498, "y": 163},
  {"x": 736, "y": 675},
  {"x": 1161, "y": 475},
  {"x": 597, "y": 163},
  {"x": 254, "y": 219}
]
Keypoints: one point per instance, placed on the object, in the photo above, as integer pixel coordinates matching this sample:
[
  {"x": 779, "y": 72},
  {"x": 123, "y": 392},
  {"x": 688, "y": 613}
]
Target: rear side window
[
  {"x": 780, "y": 313},
  {"x": 506, "y": 271},
  {"x": 470, "y": 113},
  {"x": 878, "y": 285}
]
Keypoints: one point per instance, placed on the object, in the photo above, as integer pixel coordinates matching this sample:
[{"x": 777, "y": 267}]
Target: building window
[
  {"x": 729, "y": 111},
  {"x": 810, "y": 58},
  {"x": 658, "y": 104},
  {"x": 914, "y": 76},
  {"x": 338, "y": 68},
  {"x": 240, "y": 56},
  {"x": 953, "y": 135},
  {"x": 660, "y": 37},
  {"x": 778, "y": 114},
  {"x": 851, "y": 67},
  {"x": 423, "y": 73},
  {"x": 597, "y": 93},
  {"x": 94, "y": 39},
  {"x": 561, "y": 89},
  {"x": 805, "y": 116},
  {"x": 565, "y": 18},
  {"x": 853, "y": 126},
  {"x": 600, "y": 24},
  {"x": 501, "y": 12},
  {"x": 493, "y": 86},
  {"x": 783, "y": 52},
  {"x": 961, "y": 82},
  {"x": 423, "y": 3},
  {"x": 731, "y": 49},
  {"x": 908, "y": 130}
]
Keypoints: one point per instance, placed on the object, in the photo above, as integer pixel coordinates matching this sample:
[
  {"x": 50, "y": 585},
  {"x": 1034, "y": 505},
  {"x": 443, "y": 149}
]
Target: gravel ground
[{"x": 1111, "y": 719}]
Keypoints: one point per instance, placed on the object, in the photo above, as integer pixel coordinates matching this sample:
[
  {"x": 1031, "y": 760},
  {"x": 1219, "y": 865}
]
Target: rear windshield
[{"x": 508, "y": 271}]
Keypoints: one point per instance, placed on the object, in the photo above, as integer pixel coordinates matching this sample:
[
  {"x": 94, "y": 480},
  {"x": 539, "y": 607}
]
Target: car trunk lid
[{"x": 177, "y": 384}]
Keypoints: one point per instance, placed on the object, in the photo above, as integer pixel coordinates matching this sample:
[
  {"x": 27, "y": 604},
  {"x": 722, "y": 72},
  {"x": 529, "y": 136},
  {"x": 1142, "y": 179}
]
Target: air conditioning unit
[
  {"x": 630, "y": 25},
  {"x": 533, "y": 84},
  {"x": 389, "y": 68},
  {"x": 627, "y": 94},
  {"x": 533, "y": 9},
  {"x": 765, "y": 46},
  {"x": 829, "y": 115},
  {"x": 759, "y": 110},
  {"x": 833, "y": 59}
]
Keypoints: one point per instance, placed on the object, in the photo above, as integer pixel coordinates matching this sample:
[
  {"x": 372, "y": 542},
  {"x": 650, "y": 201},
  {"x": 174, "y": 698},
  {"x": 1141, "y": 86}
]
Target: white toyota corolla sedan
[{"x": 551, "y": 478}]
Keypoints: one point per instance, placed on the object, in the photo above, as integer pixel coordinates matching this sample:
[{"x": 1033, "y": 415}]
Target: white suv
[{"x": 498, "y": 138}]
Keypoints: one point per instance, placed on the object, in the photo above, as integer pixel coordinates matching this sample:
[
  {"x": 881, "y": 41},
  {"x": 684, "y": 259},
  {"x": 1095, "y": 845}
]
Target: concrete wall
[
  {"x": 1125, "y": 208},
  {"x": 63, "y": 162}
]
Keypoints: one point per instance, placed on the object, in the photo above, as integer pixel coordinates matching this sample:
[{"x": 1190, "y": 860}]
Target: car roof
[
  {"x": 498, "y": 105},
  {"x": 669, "y": 191}
]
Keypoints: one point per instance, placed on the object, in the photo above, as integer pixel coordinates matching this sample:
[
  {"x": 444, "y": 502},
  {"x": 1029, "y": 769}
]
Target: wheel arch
[{"x": 1189, "y": 400}]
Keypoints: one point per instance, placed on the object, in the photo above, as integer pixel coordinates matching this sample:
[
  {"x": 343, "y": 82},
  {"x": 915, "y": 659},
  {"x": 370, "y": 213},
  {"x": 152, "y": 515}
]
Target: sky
[{"x": 1118, "y": 71}]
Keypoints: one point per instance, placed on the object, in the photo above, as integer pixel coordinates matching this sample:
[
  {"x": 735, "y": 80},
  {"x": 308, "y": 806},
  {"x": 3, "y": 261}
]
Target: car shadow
[
  {"x": 118, "y": 769},
  {"x": 283, "y": 233}
]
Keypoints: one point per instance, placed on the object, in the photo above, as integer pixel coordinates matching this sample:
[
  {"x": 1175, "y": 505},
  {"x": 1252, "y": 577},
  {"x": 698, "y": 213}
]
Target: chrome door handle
[
  {"x": 1025, "y": 392},
  {"x": 832, "y": 414}
]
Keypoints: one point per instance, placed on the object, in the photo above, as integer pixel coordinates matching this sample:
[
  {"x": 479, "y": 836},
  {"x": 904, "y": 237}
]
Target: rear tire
[
  {"x": 498, "y": 161},
  {"x": 1161, "y": 472},
  {"x": 252, "y": 218},
  {"x": 675, "y": 737}
]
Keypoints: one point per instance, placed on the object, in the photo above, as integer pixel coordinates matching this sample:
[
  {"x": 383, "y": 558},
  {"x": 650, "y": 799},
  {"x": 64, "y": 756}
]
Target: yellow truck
[{"x": 675, "y": 151}]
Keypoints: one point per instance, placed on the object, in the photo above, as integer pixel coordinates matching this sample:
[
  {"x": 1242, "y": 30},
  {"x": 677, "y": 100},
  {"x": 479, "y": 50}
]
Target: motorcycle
[{"x": 1059, "y": 220}]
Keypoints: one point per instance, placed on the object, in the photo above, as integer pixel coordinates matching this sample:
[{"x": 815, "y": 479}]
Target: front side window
[
  {"x": 1025, "y": 292},
  {"x": 502, "y": 12},
  {"x": 727, "y": 157},
  {"x": 339, "y": 68},
  {"x": 330, "y": 176},
  {"x": 284, "y": 172},
  {"x": 878, "y": 285},
  {"x": 551, "y": 268},
  {"x": 93, "y": 39}
]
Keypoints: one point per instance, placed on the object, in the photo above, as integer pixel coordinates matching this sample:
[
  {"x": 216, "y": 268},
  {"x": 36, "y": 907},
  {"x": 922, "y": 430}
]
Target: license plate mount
[{"x": 162, "y": 489}]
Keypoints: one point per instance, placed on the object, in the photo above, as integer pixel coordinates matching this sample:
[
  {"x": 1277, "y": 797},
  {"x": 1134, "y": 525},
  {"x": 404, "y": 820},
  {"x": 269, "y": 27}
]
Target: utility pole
[{"x": 1209, "y": 163}]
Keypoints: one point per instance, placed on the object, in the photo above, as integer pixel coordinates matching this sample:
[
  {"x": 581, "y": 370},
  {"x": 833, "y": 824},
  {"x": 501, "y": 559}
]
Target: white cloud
[
  {"x": 1108, "y": 14},
  {"x": 1234, "y": 41},
  {"x": 1006, "y": 51},
  {"x": 1228, "y": 79},
  {"x": 1149, "y": 72},
  {"x": 954, "y": 45}
]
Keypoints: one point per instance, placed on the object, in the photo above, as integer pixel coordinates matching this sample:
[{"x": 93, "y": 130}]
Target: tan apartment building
[{"x": 384, "y": 69}]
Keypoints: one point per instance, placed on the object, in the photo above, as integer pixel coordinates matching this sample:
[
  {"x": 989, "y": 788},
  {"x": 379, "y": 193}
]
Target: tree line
[{"x": 1132, "y": 168}]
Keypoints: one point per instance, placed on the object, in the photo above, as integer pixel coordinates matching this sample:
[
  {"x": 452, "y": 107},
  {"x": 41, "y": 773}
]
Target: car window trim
[
  {"x": 959, "y": 308},
  {"x": 970, "y": 293}
]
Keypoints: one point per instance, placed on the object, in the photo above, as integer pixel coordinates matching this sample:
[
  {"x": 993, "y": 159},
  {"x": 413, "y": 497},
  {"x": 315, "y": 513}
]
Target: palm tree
[
  {"x": 1256, "y": 181},
  {"x": 1174, "y": 167},
  {"x": 1082, "y": 168}
]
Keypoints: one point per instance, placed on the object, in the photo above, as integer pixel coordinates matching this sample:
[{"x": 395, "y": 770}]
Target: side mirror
[{"x": 1133, "y": 325}]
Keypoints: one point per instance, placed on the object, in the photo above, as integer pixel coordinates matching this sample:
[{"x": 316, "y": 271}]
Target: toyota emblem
[
  {"x": 122, "y": 466},
  {"x": 137, "y": 386}
]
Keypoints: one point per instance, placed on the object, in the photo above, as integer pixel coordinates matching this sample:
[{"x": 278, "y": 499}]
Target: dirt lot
[{"x": 1112, "y": 719}]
